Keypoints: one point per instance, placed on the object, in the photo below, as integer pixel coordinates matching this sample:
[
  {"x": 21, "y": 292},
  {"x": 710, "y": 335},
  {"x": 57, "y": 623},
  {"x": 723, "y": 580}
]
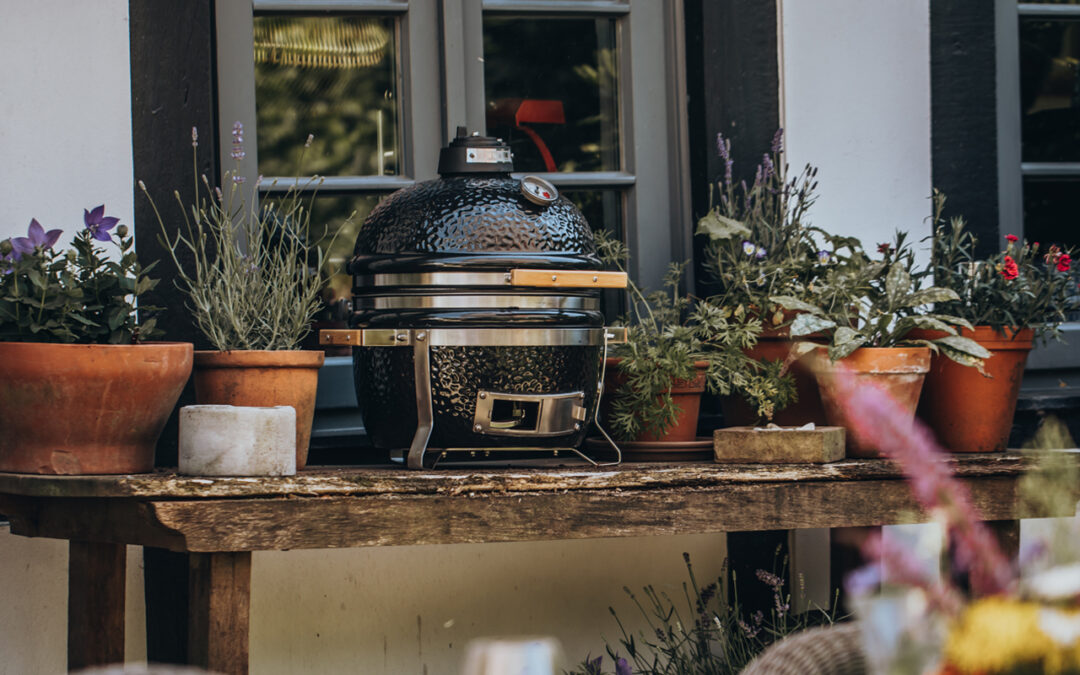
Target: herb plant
[
  {"x": 80, "y": 295},
  {"x": 254, "y": 277},
  {"x": 759, "y": 243},
  {"x": 1023, "y": 286},
  {"x": 860, "y": 302},
  {"x": 668, "y": 332}
]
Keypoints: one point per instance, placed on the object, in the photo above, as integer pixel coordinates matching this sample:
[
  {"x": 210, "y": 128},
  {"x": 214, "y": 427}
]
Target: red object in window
[{"x": 518, "y": 112}]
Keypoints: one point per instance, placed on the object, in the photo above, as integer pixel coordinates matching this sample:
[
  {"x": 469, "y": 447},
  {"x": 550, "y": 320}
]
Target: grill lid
[{"x": 475, "y": 216}]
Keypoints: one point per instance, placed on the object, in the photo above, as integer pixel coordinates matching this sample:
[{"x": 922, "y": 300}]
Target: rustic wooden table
[{"x": 219, "y": 521}]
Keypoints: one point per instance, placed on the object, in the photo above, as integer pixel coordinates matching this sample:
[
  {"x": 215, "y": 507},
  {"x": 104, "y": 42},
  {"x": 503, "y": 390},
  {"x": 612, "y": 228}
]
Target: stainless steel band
[
  {"x": 476, "y": 302},
  {"x": 474, "y": 337},
  {"x": 459, "y": 279}
]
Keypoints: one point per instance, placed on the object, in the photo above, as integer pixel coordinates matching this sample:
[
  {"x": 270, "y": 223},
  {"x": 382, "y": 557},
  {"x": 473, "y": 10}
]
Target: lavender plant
[
  {"x": 703, "y": 633},
  {"x": 254, "y": 276},
  {"x": 759, "y": 242},
  {"x": 80, "y": 295}
]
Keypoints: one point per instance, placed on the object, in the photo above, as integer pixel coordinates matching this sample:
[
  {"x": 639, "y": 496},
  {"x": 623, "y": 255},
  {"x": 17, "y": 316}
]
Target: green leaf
[
  {"x": 897, "y": 283},
  {"x": 963, "y": 345},
  {"x": 932, "y": 294},
  {"x": 925, "y": 322},
  {"x": 794, "y": 304},
  {"x": 718, "y": 226},
  {"x": 806, "y": 324},
  {"x": 963, "y": 358},
  {"x": 839, "y": 350}
]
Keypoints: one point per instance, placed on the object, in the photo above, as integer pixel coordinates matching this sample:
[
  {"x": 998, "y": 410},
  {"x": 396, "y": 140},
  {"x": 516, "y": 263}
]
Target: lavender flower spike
[
  {"x": 98, "y": 224},
  {"x": 36, "y": 237},
  {"x": 778, "y": 141},
  {"x": 238, "y": 142}
]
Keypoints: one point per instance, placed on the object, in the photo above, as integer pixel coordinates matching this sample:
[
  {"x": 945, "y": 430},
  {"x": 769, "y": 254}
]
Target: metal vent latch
[{"x": 537, "y": 415}]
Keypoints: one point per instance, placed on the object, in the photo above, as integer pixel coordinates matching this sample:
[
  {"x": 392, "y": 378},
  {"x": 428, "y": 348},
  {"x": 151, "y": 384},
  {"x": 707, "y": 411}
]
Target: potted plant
[
  {"x": 253, "y": 278},
  {"x": 677, "y": 347},
  {"x": 760, "y": 245},
  {"x": 869, "y": 308},
  {"x": 1011, "y": 299},
  {"x": 81, "y": 392}
]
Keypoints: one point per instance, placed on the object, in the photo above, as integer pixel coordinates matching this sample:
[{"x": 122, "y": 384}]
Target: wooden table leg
[
  {"x": 219, "y": 587},
  {"x": 96, "y": 578}
]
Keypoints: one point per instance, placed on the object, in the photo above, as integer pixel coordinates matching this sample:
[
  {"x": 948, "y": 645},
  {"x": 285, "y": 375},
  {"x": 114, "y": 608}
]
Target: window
[
  {"x": 1049, "y": 58},
  {"x": 589, "y": 93}
]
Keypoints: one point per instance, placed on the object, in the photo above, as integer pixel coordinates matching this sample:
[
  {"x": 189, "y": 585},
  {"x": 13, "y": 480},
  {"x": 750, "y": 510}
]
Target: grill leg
[{"x": 424, "y": 414}]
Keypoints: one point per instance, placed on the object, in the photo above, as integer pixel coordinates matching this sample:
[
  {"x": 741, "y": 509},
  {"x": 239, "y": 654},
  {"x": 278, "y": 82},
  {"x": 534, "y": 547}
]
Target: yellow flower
[{"x": 996, "y": 634}]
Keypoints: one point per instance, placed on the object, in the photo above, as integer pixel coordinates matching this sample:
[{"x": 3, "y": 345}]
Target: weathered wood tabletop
[{"x": 219, "y": 521}]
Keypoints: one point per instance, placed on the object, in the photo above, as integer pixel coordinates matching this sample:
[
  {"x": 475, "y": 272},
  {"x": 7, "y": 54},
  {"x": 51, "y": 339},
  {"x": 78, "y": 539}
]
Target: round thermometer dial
[{"x": 538, "y": 191}]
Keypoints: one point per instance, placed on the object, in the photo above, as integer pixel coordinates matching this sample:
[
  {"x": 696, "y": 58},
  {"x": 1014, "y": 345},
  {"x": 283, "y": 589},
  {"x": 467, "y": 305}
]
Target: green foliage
[
  {"x": 251, "y": 274},
  {"x": 76, "y": 296},
  {"x": 861, "y": 302},
  {"x": 703, "y": 633},
  {"x": 1020, "y": 287},
  {"x": 668, "y": 332},
  {"x": 758, "y": 243}
]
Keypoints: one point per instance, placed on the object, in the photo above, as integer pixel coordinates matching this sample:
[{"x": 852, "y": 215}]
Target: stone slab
[{"x": 750, "y": 445}]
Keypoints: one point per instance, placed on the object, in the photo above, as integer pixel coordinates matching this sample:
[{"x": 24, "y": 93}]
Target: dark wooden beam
[
  {"x": 220, "y": 591},
  {"x": 96, "y": 585},
  {"x": 963, "y": 114}
]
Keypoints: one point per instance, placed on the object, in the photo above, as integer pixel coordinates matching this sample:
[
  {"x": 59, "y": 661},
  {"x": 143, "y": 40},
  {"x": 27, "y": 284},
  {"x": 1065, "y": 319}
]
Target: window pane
[
  {"x": 1050, "y": 89},
  {"x": 1050, "y": 211},
  {"x": 331, "y": 76},
  {"x": 604, "y": 211},
  {"x": 551, "y": 90},
  {"x": 329, "y": 214}
]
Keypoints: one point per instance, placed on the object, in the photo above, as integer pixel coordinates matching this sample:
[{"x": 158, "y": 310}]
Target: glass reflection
[
  {"x": 337, "y": 235},
  {"x": 1050, "y": 211},
  {"x": 333, "y": 77},
  {"x": 551, "y": 90},
  {"x": 1050, "y": 89}
]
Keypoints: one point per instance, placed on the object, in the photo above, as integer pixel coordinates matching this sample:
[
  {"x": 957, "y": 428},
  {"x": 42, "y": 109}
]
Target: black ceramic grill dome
[{"x": 494, "y": 282}]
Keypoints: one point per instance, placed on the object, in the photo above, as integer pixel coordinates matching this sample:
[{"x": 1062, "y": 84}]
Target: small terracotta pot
[
  {"x": 898, "y": 371},
  {"x": 808, "y": 408},
  {"x": 87, "y": 409},
  {"x": 262, "y": 379},
  {"x": 686, "y": 394},
  {"x": 969, "y": 412}
]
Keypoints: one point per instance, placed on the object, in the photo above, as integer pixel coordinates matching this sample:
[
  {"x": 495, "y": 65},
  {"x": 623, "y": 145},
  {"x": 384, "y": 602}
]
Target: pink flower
[
  {"x": 1012, "y": 238},
  {"x": 1064, "y": 262}
]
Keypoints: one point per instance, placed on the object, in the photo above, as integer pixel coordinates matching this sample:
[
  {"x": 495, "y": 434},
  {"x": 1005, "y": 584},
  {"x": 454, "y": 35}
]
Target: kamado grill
[{"x": 476, "y": 321}]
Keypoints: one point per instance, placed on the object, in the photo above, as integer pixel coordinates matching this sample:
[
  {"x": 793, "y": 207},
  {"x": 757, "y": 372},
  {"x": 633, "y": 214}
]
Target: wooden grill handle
[{"x": 567, "y": 279}]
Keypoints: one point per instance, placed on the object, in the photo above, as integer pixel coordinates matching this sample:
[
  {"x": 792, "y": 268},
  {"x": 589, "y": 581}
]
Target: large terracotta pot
[
  {"x": 87, "y": 409},
  {"x": 262, "y": 379},
  {"x": 898, "y": 371},
  {"x": 686, "y": 394},
  {"x": 969, "y": 412}
]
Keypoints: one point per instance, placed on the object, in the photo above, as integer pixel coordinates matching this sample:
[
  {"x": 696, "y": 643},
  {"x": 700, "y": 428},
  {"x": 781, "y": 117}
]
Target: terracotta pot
[
  {"x": 687, "y": 395},
  {"x": 969, "y": 412},
  {"x": 738, "y": 413},
  {"x": 898, "y": 371},
  {"x": 262, "y": 379},
  {"x": 87, "y": 409}
]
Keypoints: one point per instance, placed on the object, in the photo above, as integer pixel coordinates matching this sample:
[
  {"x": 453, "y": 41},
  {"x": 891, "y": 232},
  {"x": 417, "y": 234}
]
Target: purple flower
[
  {"x": 778, "y": 141},
  {"x": 770, "y": 578},
  {"x": 98, "y": 223},
  {"x": 723, "y": 148},
  {"x": 748, "y": 248},
  {"x": 622, "y": 667},
  {"x": 36, "y": 237},
  {"x": 761, "y": 253},
  {"x": 824, "y": 256},
  {"x": 770, "y": 169},
  {"x": 238, "y": 141},
  {"x": 194, "y": 137}
]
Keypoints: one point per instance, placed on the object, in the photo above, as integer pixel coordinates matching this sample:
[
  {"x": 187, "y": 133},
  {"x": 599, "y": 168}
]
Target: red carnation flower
[
  {"x": 1012, "y": 238},
  {"x": 1009, "y": 269},
  {"x": 1063, "y": 262},
  {"x": 884, "y": 249}
]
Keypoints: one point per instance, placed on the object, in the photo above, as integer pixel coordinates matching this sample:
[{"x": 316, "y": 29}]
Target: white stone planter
[{"x": 225, "y": 440}]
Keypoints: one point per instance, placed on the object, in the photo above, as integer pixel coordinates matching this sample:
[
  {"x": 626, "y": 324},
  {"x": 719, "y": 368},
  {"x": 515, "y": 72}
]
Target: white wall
[
  {"x": 65, "y": 112},
  {"x": 856, "y": 81}
]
